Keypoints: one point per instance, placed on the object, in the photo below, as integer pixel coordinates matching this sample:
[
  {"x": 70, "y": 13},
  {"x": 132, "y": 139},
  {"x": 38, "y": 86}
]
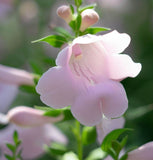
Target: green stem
[{"x": 79, "y": 141}]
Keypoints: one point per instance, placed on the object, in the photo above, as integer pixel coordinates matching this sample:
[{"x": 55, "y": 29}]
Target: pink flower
[
  {"x": 142, "y": 153},
  {"x": 108, "y": 125},
  {"x": 29, "y": 117},
  {"x": 7, "y": 95},
  {"x": 15, "y": 76},
  {"x": 87, "y": 77},
  {"x": 33, "y": 139}
]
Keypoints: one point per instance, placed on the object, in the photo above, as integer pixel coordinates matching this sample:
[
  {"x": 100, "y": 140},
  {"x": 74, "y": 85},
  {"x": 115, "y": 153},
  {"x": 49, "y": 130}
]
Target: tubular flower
[
  {"x": 29, "y": 117},
  {"x": 15, "y": 76},
  {"x": 87, "y": 77}
]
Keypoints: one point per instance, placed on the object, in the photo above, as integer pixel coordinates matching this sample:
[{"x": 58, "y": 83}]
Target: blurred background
[{"x": 22, "y": 21}]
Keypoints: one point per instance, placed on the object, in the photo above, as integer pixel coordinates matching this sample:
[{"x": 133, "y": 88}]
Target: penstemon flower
[{"x": 87, "y": 77}]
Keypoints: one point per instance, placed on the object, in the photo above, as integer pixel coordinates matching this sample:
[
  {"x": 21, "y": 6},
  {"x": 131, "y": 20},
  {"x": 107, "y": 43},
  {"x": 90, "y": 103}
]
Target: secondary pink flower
[
  {"x": 7, "y": 95},
  {"x": 28, "y": 117},
  {"x": 142, "y": 153},
  {"x": 15, "y": 76},
  {"x": 108, "y": 125},
  {"x": 87, "y": 77},
  {"x": 33, "y": 139}
]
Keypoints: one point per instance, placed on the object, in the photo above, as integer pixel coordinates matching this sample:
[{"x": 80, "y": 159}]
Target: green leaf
[
  {"x": 78, "y": 22},
  {"x": 94, "y": 30},
  {"x": 89, "y": 135},
  {"x": 112, "y": 136},
  {"x": 11, "y": 147},
  {"x": 70, "y": 156},
  {"x": 116, "y": 146},
  {"x": 92, "y": 6},
  {"x": 54, "y": 40},
  {"x": 63, "y": 32},
  {"x": 124, "y": 157},
  {"x": 124, "y": 141},
  {"x": 28, "y": 89},
  {"x": 15, "y": 137},
  {"x": 72, "y": 25},
  {"x": 56, "y": 149},
  {"x": 53, "y": 113},
  {"x": 72, "y": 9},
  {"x": 8, "y": 157},
  {"x": 96, "y": 154},
  {"x": 67, "y": 114}
]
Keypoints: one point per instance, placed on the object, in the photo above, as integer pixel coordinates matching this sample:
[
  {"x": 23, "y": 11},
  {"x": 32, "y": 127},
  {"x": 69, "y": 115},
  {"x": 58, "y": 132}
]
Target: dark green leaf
[
  {"x": 28, "y": 89},
  {"x": 67, "y": 114},
  {"x": 92, "y": 6},
  {"x": 11, "y": 147},
  {"x": 89, "y": 135},
  {"x": 124, "y": 157},
  {"x": 72, "y": 9},
  {"x": 95, "y": 30},
  {"x": 8, "y": 157},
  {"x": 50, "y": 61},
  {"x": 116, "y": 146},
  {"x": 112, "y": 136},
  {"x": 35, "y": 67},
  {"x": 54, "y": 40}
]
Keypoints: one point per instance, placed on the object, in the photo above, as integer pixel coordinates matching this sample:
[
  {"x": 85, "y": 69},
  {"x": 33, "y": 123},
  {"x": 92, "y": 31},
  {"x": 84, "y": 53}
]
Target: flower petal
[
  {"x": 57, "y": 87},
  {"x": 115, "y": 42},
  {"x": 122, "y": 66},
  {"x": 108, "y": 98},
  {"x": 64, "y": 56},
  {"x": 143, "y": 152}
]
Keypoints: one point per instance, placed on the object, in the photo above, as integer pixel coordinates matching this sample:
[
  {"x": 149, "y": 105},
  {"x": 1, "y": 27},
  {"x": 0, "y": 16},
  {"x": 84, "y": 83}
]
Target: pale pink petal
[
  {"x": 122, "y": 66},
  {"x": 26, "y": 117},
  {"x": 57, "y": 88},
  {"x": 144, "y": 152},
  {"x": 33, "y": 139},
  {"x": 7, "y": 95},
  {"x": 113, "y": 98},
  {"x": 108, "y": 125},
  {"x": 87, "y": 108},
  {"x": 15, "y": 76},
  {"x": 108, "y": 98},
  {"x": 115, "y": 42},
  {"x": 64, "y": 56}
]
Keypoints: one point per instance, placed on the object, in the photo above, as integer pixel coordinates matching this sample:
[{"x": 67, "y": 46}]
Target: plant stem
[{"x": 79, "y": 141}]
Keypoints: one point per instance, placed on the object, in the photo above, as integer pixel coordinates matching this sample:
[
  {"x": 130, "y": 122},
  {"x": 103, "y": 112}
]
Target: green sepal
[
  {"x": 92, "y": 6},
  {"x": 78, "y": 22},
  {"x": 94, "y": 30},
  {"x": 89, "y": 135},
  {"x": 53, "y": 113},
  {"x": 72, "y": 9},
  {"x": 78, "y": 3},
  {"x": 54, "y": 40}
]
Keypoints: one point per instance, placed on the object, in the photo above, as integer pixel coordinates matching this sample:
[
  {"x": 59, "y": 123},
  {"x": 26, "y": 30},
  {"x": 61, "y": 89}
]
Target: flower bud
[
  {"x": 89, "y": 17},
  {"x": 142, "y": 153},
  {"x": 28, "y": 117},
  {"x": 65, "y": 13},
  {"x": 15, "y": 76}
]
